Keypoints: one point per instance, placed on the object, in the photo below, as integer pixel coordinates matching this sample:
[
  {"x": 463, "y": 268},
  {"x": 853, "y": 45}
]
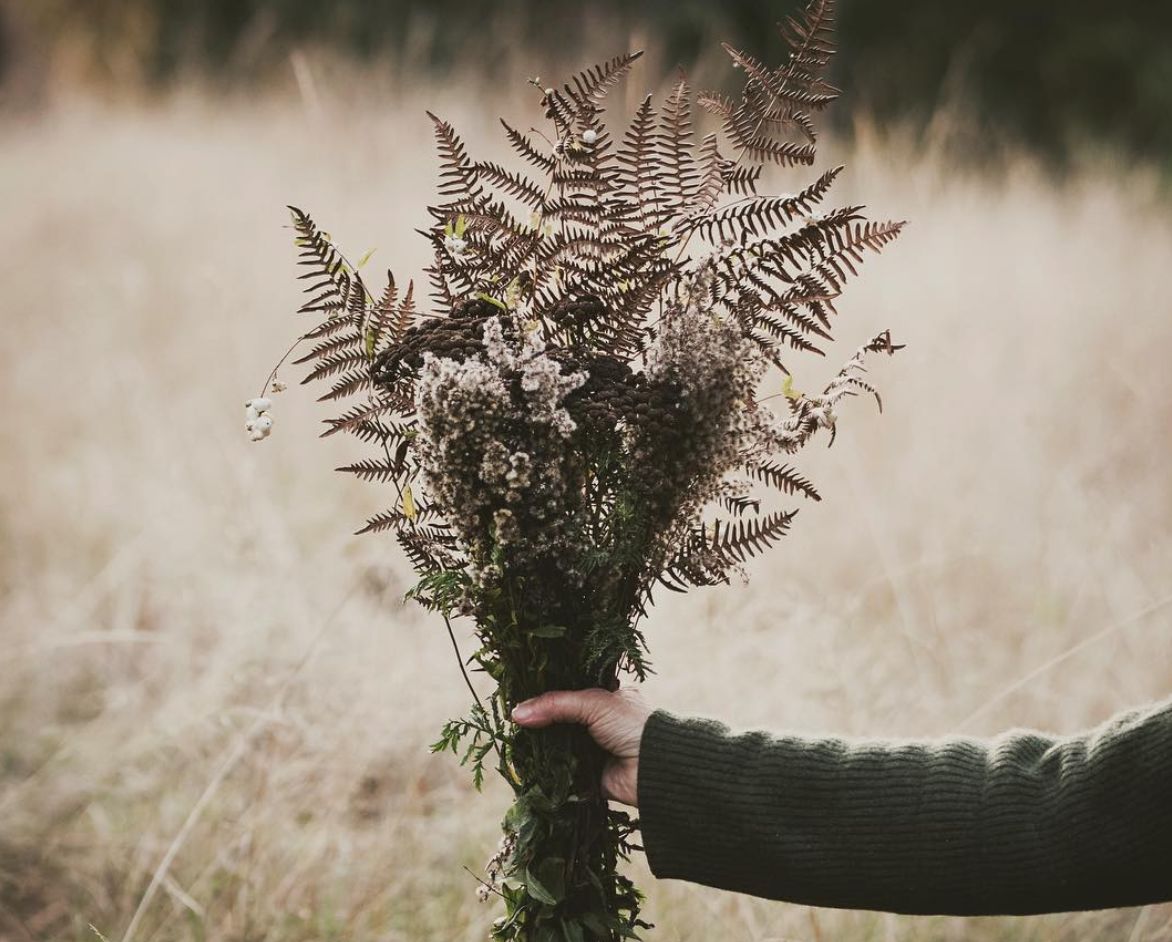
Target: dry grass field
[{"x": 214, "y": 707}]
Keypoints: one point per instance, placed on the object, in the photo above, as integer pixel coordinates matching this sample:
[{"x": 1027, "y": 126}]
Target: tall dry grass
[{"x": 214, "y": 709}]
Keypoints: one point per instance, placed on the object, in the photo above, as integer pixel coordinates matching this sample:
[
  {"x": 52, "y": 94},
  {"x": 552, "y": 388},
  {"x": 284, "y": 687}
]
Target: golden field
[{"x": 214, "y": 706}]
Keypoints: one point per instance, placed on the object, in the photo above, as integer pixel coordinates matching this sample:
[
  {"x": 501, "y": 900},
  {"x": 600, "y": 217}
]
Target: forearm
[{"x": 1023, "y": 823}]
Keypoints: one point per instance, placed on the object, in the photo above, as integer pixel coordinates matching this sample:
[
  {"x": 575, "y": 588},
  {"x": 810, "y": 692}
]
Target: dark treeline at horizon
[{"x": 1054, "y": 75}]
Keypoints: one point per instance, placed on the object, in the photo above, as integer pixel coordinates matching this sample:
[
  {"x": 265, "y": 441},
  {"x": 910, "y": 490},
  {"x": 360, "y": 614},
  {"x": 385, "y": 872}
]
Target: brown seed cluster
[
  {"x": 457, "y": 337},
  {"x": 613, "y": 393}
]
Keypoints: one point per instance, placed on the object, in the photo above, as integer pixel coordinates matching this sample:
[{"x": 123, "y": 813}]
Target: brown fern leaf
[
  {"x": 692, "y": 565},
  {"x": 775, "y": 102},
  {"x": 424, "y": 554},
  {"x": 740, "y": 505},
  {"x": 634, "y": 177},
  {"x": 515, "y": 184},
  {"x": 523, "y": 146},
  {"x": 371, "y": 413},
  {"x": 780, "y": 334},
  {"x": 756, "y": 216},
  {"x": 341, "y": 362},
  {"x": 584, "y": 93},
  {"x": 742, "y": 181},
  {"x": 354, "y": 381},
  {"x": 328, "y": 328},
  {"x": 331, "y": 282},
  {"x": 743, "y": 539},
  {"x": 376, "y": 470},
  {"x": 334, "y": 343},
  {"x": 673, "y": 160},
  {"x": 811, "y": 42},
  {"x": 426, "y": 523},
  {"x": 390, "y": 318},
  {"x": 712, "y": 179},
  {"x": 843, "y": 247},
  {"x": 784, "y": 478},
  {"x": 783, "y": 88},
  {"x": 458, "y": 177}
]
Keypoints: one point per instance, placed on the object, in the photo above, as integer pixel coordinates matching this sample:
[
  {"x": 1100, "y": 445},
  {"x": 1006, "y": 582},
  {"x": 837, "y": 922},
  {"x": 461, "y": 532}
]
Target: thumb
[{"x": 560, "y": 706}]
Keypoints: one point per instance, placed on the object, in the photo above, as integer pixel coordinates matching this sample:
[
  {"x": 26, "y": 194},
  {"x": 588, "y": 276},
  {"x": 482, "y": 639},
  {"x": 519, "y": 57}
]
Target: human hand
[{"x": 614, "y": 720}]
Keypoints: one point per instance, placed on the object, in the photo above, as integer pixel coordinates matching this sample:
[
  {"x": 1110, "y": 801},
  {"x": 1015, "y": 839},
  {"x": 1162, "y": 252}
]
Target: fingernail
[{"x": 522, "y": 712}]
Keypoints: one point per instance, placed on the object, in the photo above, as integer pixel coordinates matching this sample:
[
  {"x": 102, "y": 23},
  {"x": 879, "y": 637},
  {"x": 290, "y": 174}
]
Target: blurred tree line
[{"x": 1056, "y": 75}]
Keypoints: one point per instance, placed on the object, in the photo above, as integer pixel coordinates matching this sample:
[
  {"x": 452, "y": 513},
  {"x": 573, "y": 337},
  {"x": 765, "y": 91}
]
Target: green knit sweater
[{"x": 1024, "y": 823}]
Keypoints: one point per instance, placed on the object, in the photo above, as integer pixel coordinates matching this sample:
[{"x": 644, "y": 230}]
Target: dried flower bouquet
[{"x": 578, "y": 422}]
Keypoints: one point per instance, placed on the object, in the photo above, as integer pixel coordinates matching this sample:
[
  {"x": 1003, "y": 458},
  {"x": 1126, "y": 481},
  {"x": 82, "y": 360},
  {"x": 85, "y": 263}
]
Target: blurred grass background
[
  {"x": 1057, "y": 76},
  {"x": 214, "y": 708}
]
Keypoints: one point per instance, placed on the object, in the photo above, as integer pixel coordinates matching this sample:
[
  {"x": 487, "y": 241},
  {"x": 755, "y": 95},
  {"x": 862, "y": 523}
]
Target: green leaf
[
  {"x": 573, "y": 932},
  {"x": 597, "y": 924},
  {"x": 366, "y": 258},
  {"x": 548, "y": 882},
  {"x": 370, "y": 342},
  {"x": 481, "y": 296},
  {"x": 461, "y": 226},
  {"x": 548, "y": 631}
]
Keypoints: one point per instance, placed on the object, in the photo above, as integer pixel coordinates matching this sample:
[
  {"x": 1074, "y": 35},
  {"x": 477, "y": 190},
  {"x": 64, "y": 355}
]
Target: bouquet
[{"x": 575, "y": 419}]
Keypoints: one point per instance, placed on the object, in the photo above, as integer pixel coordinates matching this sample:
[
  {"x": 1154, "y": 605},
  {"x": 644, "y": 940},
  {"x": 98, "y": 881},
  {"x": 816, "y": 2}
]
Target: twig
[
  {"x": 1064, "y": 656},
  {"x": 238, "y": 751},
  {"x": 483, "y": 882},
  {"x": 468, "y": 680},
  {"x": 460, "y": 660}
]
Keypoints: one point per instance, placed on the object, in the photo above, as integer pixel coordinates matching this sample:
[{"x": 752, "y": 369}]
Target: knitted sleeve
[{"x": 1024, "y": 823}]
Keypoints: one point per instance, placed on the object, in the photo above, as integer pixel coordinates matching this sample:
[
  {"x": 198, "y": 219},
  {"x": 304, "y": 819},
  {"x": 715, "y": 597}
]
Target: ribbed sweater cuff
[{"x": 684, "y": 768}]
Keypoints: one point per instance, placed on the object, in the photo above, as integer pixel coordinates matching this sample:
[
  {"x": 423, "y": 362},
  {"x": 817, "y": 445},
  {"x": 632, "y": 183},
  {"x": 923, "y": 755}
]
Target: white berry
[{"x": 589, "y": 136}]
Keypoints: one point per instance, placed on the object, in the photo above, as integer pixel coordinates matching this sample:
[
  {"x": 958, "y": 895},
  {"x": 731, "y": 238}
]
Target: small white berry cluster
[
  {"x": 456, "y": 245},
  {"x": 258, "y": 421}
]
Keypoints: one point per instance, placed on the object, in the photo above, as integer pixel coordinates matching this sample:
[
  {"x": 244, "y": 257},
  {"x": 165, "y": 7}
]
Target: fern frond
[
  {"x": 811, "y": 42},
  {"x": 784, "y": 478},
  {"x": 424, "y": 555},
  {"x": 335, "y": 363},
  {"x": 523, "y": 146},
  {"x": 390, "y": 318},
  {"x": 332, "y": 344},
  {"x": 758, "y": 215},
  {"x": 740, "y": 505},
  {"x": 375, "y": 470},
  {"x": 394, "y": 519},
  {"x": 673, "y": 160},
  {"x": 348, "y": 384},
  {"x": 743, "y": 539},
  {"x": 516, "y": 185},
  {"x": 369, "y": 413},
  {"x": 458, "y": 176},
  {"x": 331, "y": 281},
  {"x": 586, "y": 91}
]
